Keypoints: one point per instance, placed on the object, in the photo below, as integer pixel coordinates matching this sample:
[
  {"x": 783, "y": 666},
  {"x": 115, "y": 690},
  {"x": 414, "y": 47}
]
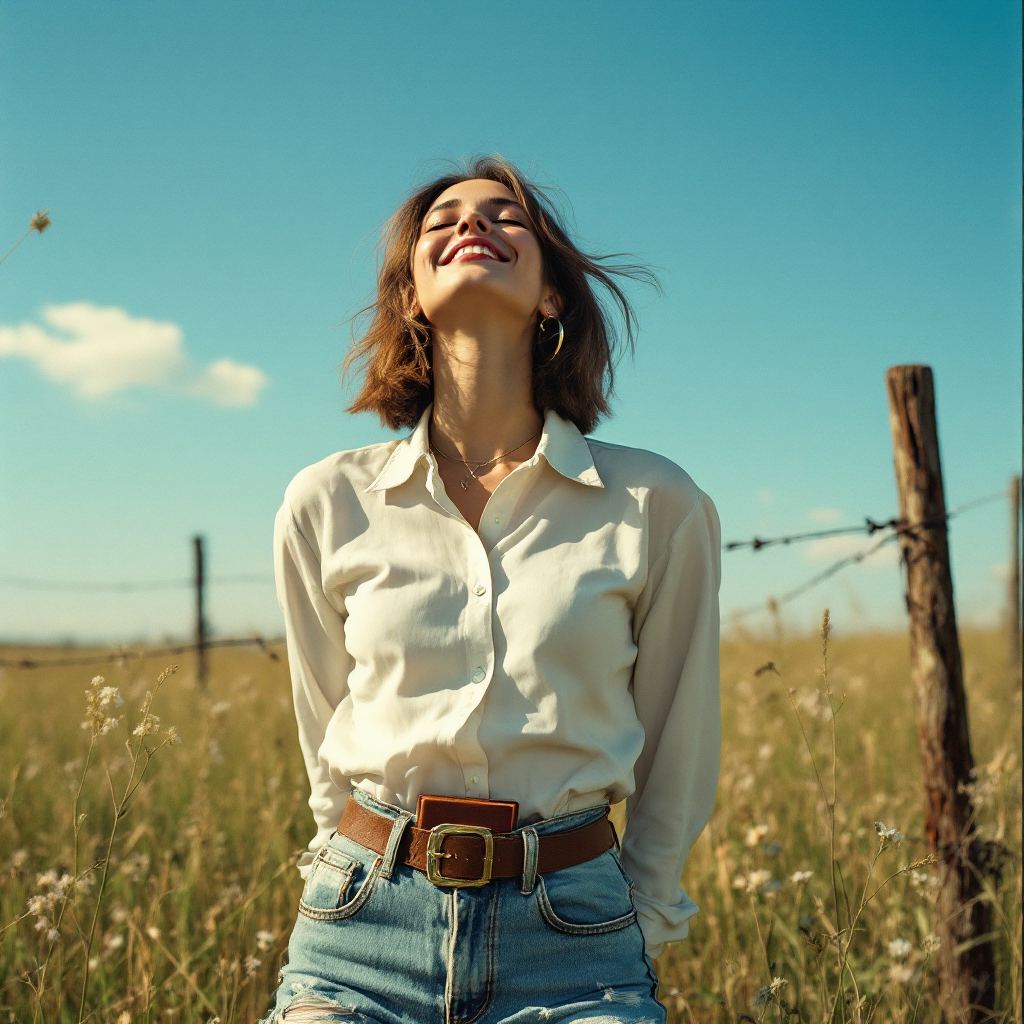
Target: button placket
[
  {"x": 480, "y": 611},
  {"x": 480, "y": 666}
]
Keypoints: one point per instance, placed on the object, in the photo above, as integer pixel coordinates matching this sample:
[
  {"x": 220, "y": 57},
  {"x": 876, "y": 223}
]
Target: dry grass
[{"x": 200, "y": 895}]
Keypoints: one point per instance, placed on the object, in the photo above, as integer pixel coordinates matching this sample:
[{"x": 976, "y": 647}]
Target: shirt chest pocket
[{"x": 338, "y": 885}]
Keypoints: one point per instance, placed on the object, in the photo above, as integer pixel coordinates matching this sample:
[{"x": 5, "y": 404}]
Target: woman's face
[{"x": 477, "y": 255}]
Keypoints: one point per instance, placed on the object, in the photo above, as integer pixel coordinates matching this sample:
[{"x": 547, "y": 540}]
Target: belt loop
[
  {"x": 529, "y": 879},
  {"x": 391, "y": 852}
]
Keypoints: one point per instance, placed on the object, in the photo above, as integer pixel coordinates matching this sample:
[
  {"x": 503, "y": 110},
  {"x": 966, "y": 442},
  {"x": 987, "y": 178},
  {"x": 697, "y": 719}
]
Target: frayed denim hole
[{"x": 312, "y": 1008}]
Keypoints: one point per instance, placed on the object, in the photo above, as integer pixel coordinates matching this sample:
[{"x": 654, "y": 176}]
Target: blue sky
[{"x": 825, "y": 189}]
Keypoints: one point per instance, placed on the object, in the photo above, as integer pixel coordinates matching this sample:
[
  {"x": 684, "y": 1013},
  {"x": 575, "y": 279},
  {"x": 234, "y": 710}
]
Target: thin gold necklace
[{"x": 480, "y": 465}]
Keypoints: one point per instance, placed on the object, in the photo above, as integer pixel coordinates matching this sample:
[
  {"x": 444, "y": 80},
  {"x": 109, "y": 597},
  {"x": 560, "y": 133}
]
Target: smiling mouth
[{"x": 473, "y": 250}]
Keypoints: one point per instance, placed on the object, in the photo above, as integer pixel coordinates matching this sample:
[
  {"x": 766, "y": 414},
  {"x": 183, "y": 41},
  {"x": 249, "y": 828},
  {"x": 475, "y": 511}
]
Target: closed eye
[{"x": 437, "y": 227}]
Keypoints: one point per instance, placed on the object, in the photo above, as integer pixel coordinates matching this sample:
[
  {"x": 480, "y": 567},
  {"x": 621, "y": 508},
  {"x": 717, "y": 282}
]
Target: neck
[{"x": 483, "y": 395}]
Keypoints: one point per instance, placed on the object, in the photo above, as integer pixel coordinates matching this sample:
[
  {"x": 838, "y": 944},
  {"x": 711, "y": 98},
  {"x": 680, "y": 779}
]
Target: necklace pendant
[{"x": 465, "y": 486}]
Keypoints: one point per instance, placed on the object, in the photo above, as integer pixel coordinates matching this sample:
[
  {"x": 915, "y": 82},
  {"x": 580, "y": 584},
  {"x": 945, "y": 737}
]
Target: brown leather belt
[{"x": 468, "y": 855}]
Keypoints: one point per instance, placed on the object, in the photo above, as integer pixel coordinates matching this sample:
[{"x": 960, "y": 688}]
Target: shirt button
[
  {"x": 474, "y": 779},
  {"x": 479, "y": 590},
  {"x": 497, "y": 519},
  {"x": 478, "y": 675}
]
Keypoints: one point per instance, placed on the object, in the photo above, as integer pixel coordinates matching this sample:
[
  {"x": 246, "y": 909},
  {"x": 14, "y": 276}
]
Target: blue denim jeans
[{"x": 376, "y": 942}]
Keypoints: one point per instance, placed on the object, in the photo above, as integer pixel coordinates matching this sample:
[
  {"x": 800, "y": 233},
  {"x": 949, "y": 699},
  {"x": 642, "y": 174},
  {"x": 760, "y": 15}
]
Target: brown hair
[{"x": 395, "y": 350}]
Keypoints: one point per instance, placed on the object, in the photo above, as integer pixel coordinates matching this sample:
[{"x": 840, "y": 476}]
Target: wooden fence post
[
  {"x": 200, "y": 585},
  {"x": 966, "y": 971},
  {"x": 1013, "y": 594}
]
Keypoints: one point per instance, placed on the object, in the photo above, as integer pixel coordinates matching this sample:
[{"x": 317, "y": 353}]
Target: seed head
[{"x": 40, "y": 222}]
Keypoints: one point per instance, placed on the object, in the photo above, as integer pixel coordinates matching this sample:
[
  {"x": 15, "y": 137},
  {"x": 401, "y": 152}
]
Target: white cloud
[
  {"x": 824, "y": 515},
  {"x": 831, "y": 549},
  {"x": 100, "y": 351},
  {"x": 229, "y": 383}
]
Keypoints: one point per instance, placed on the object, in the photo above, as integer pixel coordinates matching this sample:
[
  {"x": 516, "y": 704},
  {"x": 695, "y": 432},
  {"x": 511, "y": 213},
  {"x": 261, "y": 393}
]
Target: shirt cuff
[{"x": 663, "y": 922}]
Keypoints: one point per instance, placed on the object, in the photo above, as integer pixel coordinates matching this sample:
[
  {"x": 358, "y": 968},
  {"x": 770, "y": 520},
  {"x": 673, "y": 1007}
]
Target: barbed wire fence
[{"x": 891, "y": 529}]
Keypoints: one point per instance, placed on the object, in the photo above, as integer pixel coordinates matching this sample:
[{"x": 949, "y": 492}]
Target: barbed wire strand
[
  {"x": 124, "y": 653},
  {"x": 896, "y": 526},
  {"x": 127, "y": 586},
  {"x": 869, "y": 527}
]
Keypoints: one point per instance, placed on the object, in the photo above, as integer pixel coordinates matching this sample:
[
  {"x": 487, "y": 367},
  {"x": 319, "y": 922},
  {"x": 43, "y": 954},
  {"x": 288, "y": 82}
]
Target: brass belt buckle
[{"x": 435, "y": 842}]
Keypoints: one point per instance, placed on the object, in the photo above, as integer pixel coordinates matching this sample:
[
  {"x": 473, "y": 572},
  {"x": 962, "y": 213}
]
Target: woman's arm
[
  {"x": 675, "y": 690},
  {"x": 319, "y": 664}
]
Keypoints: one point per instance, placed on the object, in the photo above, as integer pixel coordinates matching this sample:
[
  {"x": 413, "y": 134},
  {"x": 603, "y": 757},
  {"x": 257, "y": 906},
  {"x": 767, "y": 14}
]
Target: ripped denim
[{"x": 376, "y": 942}]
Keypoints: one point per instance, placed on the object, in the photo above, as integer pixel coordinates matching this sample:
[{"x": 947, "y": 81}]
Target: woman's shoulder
[
  {"x": 664, "y": 483},
  {"x": 343, "y": 474}
]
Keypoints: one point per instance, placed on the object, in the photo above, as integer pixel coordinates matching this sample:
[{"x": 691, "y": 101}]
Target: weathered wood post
[
  {"x": 1013, "y": 594},
  {"x": 200, "y": 586},
  {"x": 966, "y": 971}
]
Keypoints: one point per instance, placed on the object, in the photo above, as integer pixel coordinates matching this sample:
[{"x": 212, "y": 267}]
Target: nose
[{"x": 473, "y": 221}]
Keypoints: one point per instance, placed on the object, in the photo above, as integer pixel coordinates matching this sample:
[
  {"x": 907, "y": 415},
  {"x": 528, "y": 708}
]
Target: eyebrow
[{"x": 496, "y": 201}]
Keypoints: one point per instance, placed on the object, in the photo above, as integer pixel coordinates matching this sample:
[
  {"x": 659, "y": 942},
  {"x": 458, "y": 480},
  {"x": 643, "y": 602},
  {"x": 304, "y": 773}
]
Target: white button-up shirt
[{"x": 563, "y": 655}]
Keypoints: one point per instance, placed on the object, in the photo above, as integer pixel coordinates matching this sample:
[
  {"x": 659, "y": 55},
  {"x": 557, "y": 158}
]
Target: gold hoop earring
[{"x": 561, "y": 333}]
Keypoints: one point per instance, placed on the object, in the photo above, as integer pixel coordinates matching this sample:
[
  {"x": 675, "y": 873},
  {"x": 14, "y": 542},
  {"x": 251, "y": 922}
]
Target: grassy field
[{"x": 199, "y": 894}]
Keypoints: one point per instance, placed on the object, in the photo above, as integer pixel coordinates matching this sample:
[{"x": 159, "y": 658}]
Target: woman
[{"x": 498, "y": 610}]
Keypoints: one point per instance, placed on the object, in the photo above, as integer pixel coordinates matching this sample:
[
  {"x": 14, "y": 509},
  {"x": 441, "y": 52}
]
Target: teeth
[{"x": 479, "y": 250}]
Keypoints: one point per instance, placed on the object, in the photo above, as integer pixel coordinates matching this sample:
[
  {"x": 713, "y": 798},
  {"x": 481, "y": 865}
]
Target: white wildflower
[
  {"x": 800, "y": 877},
  {"x": 755, "y": 834},
  {"x": 900, "y": 949},
  {"x": 222, "y": 707},
  {"x": 264, "y": 940},
  {"x": 125, "y": 1017},
  {"x": 769, "y": 994},
  {"x": 172, "y": 735},
  {"x": 900, "y": 974},
  {"x": 150, "y": 723},
  {"x": 110, "y": 697},
  {"x": 18, "y": 858},
  {"x": 100, "y": 699},
  {"x": 755, "y": 881},
  {"x": 888, "y": 835},
  {"x": 252, "y": 965},
  {"x": 153, "y": 932},
  {"x": 135, "y": 867},
  {"x": 113, "y": 943}
]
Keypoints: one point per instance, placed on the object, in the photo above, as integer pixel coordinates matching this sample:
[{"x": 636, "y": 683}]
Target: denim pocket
[
  {"x": 338, "y": 885},
  {"x": 589, "y": 899}
]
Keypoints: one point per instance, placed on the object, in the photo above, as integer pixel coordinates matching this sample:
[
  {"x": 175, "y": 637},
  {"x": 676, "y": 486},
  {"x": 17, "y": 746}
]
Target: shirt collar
[{"x": 561, "y": 444}]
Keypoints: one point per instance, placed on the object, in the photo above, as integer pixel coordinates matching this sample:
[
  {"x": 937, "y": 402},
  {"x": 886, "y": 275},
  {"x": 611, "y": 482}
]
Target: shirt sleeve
[
  {"x": 676, "y": 693},
  {"x": 319, "y": 663}
]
